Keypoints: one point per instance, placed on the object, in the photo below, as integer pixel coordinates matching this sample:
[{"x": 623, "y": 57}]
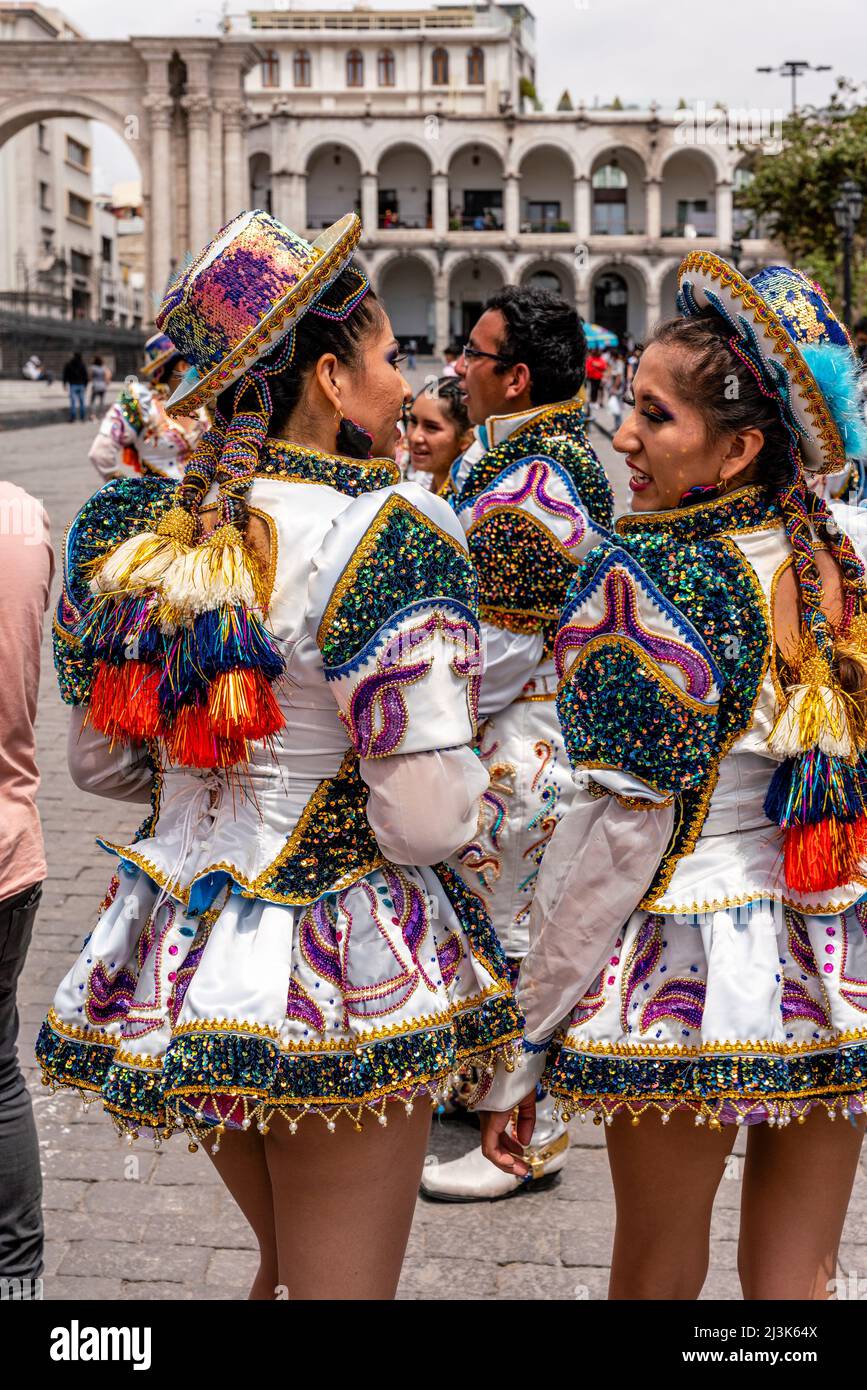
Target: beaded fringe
[
  {"x": 777, "y": 1112},
  {"x": 260, "y": 1113}
]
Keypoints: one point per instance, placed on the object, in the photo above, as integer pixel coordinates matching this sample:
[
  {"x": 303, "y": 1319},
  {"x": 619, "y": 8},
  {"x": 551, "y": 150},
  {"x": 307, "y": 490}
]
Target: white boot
[{"x": 474, "y": 1178}]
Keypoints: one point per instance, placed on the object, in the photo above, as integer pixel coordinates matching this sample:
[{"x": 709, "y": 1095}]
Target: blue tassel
[
  {"x": 229, "y": 639},
  {"x": 814, "y": 787},
  {"x": 836, "y": 373}
]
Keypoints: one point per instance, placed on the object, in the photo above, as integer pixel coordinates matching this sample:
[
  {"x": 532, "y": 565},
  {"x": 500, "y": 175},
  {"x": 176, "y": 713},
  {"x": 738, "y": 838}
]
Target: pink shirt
[{"x": 26, "y": 572}]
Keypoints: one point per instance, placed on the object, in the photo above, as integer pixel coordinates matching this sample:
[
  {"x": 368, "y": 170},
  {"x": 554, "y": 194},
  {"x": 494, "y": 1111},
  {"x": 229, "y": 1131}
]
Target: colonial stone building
[{"x": 424, "y": 121}]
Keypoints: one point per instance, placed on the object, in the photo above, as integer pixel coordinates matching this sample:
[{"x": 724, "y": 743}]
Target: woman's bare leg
[
  {"x": 241, "y": 1163},
  {"x": 797, "y": 1185},
  {"x": 344, "y": 1201},
  {"x": 665, "y": 1179}
]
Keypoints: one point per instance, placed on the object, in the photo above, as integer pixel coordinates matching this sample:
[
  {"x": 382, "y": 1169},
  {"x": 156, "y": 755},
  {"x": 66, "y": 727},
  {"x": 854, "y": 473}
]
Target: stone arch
[
  {"x": 472, "y": 279},
  {"x": 259, "y": 165},
  {"x": 616, "y": 209},
  {"x": 689, "y": 192},
  {"x": 333, "y": 182},
  {"x": 537, "y": 143},
  {"x": 477, "y": 180},
  {"x": 405, "y": 185},
  {"x": 546, "y": 188},
  {"x": 551, "y": 265},
  {"x": 405, "y": 284},
  {"x": 326, "y": 142},
  {"x": 388, "y": 259},
  {"x": 612, "y": 143},
  {"x": 622, "y": 318}
]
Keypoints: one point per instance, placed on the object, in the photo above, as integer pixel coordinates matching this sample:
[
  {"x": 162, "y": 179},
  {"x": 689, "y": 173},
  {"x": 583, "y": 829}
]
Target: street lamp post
[
  {"x": 795, "y": 69},
  {"x": 847, "y": 214}
]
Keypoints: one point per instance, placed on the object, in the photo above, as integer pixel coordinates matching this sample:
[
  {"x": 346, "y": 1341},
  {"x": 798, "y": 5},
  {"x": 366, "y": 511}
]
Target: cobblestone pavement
[{"x": 132, "y": 1223}]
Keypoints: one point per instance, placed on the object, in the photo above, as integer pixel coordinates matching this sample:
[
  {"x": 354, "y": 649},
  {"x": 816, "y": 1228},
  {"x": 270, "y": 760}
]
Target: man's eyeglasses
[{"x": 470, "y": 353}]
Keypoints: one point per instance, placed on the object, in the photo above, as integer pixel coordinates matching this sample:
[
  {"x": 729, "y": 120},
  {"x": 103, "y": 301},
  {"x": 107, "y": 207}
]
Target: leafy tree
[{"x": 793, "y": 189}]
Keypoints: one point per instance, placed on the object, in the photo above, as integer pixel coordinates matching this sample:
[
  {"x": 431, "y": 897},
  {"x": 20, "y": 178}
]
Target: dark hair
[
  {"x": 317, "y": 334},
  {"x": 705, "y": 376},
  {"x": 97, "y": 361},
  {"x": 545, "y": 333},
  {"x": 724, "y": 390},
  {"x": 166, "y": 368},
  {"x": 448, "y": 390},
  {"x": 861, "y": 325}
]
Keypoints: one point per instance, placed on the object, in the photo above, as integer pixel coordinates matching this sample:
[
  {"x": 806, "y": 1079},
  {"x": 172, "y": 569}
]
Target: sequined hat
[
  {"x": 245, "y": 291},
  {"x": 789, "y": 330},
  {"x": 158, "y": 349}
]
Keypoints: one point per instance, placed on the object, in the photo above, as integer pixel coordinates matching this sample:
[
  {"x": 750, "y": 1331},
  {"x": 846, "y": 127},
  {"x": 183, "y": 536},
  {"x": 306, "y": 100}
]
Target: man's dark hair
[
  {"x": 861, "y": 325},
  {"x": 545, "y": 333}
]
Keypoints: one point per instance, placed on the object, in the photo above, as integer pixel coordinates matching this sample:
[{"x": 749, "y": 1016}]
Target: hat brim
[
  {"x": 336, "y": 246},
  {"x": 151, "y": 368},
  {"x": 707, "y": 281}
]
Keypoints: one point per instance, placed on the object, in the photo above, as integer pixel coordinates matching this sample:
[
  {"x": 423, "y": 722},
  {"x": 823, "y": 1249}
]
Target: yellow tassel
[
  {"x": 816, "y": 712},
  {"x": 221, "y": 570}
]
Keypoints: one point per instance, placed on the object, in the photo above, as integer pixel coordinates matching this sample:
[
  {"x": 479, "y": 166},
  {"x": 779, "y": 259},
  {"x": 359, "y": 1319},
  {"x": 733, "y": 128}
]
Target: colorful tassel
[
  {"x": 124, "y": 703},
  {"x": 142, "y": 561},
  {"x": 221, "y": 570},
  {"x": 193, "y": 743},
  {"x": 815, "y": 716},
  {"x": 815, "y": 787},
  {"x": 242, "y": 705},
  {"x": 819, "y": 858}
]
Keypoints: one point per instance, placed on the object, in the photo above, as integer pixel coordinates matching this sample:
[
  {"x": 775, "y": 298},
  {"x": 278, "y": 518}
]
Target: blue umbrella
[{"x": 599, "y": 337}]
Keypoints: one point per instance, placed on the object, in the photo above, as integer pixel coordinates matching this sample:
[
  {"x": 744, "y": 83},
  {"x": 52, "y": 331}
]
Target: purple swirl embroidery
[
  {"x": 621, "y": 617},
  {"x": 798, "y": 1002},
  {"x": 378, "y": 697},
  {"x": 799, "y": 942},
  {"x": 318, "y": 941},
  {"x": 109, "y": 996},
  {"x": 449, "y": 955},
  {"x": 682, "y": 1000},
  {"x": 184, "y": 976},
  {"x": 591, "y": 1002},
  {"x": 300, "y": 1006},
  {"x": 643, "y": 960},
  {"x": 534, "y": 486}
]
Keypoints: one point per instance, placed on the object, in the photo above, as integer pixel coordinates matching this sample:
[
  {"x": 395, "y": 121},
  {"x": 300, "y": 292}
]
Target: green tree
[{"x": 793, "y": 190}]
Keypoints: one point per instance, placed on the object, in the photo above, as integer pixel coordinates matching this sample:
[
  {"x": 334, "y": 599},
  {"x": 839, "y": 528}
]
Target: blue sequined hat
[
  {"x": 789, "y": 330},
  {"x": 158, "y": 350}
]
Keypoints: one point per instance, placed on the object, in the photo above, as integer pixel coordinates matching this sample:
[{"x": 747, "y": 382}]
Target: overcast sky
[{"x": 598, "y": 49}]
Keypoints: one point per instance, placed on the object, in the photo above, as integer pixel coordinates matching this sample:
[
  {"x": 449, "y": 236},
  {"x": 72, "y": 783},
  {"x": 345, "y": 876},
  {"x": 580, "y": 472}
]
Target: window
[
  {"x": 79, "y": 264},
  {"x": 42, "y": 138},
  {"x": 385, "y": 68},
  {"x": 271, "y": 69},
  {"x": 78, "y": 208},
  {"x": 355, "y": 68},
  {"x": 439, "y": 67},
  {"x": 44, "y": 197},
  {"x": 106, "y": 249},
  {"x": 77, "y": 154},
  {"x": 301, "y": 68},
  {"x": 475, "y": 67}
]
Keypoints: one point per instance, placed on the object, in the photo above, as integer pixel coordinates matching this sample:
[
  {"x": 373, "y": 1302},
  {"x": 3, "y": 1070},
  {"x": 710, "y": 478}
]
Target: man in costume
[{"x": 532, "y": 498}]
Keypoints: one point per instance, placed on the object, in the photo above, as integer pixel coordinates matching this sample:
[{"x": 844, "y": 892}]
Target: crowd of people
[{"x": 460, "y": 794}]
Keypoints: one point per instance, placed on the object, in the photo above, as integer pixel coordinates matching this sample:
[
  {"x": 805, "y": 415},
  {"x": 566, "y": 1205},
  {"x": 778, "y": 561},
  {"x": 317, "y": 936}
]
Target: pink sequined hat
[{"x": 245, "y": 291}]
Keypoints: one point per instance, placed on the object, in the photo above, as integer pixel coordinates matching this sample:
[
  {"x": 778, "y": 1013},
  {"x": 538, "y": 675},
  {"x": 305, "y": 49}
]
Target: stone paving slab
[{"x": 136, "y": 1224}]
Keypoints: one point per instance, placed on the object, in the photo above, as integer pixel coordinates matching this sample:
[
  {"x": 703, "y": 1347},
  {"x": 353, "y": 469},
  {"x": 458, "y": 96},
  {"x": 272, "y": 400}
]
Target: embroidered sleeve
[
  {"x": 527, "y": 530},
  {"x": 118, "y": 509},
  {"x": 393, "y": 607},
  {"x": 639, "y": 688}
]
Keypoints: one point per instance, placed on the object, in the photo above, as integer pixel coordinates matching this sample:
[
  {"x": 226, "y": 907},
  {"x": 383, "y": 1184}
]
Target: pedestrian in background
[
  {"x": 26, "y": 571},
  {"x": 100, "y": 377},
  {"x": 75, "y": 378}
]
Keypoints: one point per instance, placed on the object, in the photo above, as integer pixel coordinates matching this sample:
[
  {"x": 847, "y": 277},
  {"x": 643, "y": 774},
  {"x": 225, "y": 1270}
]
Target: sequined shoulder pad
[
  {"x": 639, "y": 687},
  {"x": 527, "y": 530},
  {"x": 117, "y": 510},
  {"x": 394, "y": 609}
]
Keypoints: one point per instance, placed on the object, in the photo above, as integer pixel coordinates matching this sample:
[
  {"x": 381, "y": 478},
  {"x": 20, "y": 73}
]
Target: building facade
[
  {"x": 425, "y": 122},
  {"x": 60, "y": 256}
]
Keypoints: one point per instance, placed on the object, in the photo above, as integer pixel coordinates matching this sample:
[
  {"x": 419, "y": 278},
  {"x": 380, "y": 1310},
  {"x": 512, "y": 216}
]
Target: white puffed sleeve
[
  {"x": 393, "y": 607},
  {"x": 599, "y": 863},
  {"x": 423, "y": 806},
  {"x": 122, "y": 772},
  {"x": 511, "y": 659},
  {"x": 121, "y": 428}
]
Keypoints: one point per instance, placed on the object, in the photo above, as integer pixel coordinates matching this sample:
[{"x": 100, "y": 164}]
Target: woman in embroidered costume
[
  {"x": 713, "y": 667},
  {"x": 137, "y": 435},
  {"x": 294, "y": 634}
]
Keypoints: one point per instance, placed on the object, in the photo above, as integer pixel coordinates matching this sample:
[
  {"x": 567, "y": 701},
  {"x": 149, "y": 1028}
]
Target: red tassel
[
  {"x": 242, "y": 705},
  {"x": 824, "y": 856},
  {"x": 123, "y": 701},
  {"x": 192, "y": 741}
]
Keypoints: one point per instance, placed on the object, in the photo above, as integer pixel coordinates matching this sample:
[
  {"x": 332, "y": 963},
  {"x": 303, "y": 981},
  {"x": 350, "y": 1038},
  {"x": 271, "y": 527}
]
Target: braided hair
[{"x": 725, "y": 381}]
